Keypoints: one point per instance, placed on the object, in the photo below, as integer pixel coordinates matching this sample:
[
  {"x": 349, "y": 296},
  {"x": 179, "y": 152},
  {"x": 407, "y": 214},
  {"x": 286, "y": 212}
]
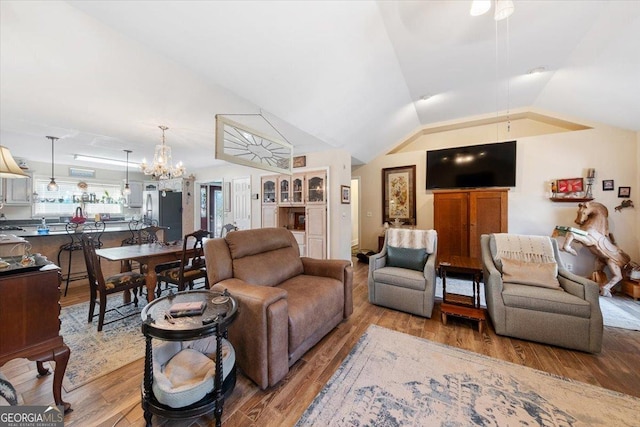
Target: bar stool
[{"x": 74, "y": 232}]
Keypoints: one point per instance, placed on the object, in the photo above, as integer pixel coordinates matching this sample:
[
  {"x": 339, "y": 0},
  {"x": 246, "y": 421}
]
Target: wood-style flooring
[{"x": 117, "y": 395}]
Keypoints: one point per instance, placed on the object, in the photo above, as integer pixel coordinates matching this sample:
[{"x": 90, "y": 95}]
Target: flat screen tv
[{"x": 474, "y": 166}]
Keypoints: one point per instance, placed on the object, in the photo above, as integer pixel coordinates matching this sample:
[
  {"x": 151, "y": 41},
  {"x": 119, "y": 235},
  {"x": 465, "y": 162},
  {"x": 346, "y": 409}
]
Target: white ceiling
[{"x": 102, "y": 75}]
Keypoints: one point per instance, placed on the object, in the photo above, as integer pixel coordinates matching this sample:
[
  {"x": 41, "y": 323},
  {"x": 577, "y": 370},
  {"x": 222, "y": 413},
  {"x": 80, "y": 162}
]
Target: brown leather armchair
[{"x": 286, "y": 304}]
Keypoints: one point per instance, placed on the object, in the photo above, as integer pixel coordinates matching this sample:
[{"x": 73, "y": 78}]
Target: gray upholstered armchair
[
  {"x": 403, "y": 275},
  {"x": 530, "y": 295}
]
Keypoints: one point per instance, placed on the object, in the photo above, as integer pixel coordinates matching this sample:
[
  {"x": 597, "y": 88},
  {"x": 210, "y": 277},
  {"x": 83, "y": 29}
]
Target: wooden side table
[
  {"x": 631, "y": 288},
  {"x": 464, "y": 306}
]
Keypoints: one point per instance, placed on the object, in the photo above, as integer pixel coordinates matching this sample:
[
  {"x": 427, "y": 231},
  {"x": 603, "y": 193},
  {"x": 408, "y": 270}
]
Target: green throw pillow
[{"x": 413, "y": 259}]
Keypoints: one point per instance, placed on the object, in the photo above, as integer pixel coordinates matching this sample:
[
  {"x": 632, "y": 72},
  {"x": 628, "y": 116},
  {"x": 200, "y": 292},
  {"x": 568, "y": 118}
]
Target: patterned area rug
[
  {"x": 93, "y": 353},
  {"x": 394, "y": 379},
  {"x": 620, "y": 312}
]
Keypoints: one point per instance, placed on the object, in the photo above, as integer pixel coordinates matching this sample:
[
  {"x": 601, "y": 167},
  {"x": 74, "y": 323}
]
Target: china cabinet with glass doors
[{"x": 298, "y": 203}]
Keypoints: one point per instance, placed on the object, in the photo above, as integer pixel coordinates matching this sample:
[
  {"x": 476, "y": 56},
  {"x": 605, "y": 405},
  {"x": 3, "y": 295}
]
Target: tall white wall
[{"x": 614, "y": 153}]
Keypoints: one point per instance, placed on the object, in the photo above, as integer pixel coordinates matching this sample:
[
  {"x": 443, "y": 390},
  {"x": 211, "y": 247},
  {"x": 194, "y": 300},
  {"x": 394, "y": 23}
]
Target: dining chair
[
  {"x": 100, "y": 287},
  {"x": 227, "y": 228},
  {"x": 190, "y": 268},
  {"x": 134, "y": 228},
  {"x": 74, "y": 233},
  {"x": 149, "y": 234}
]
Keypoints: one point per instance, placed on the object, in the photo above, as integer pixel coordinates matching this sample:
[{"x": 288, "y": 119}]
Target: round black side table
[{"x": 220, "y": 311}]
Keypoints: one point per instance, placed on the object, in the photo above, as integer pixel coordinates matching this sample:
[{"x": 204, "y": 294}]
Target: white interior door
[{"x": 242, "y": 202}]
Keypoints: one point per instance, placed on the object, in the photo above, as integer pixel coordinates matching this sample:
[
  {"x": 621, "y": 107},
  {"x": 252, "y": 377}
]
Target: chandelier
[
  {"x": 162, "y": 167},
  {"x": 504, "y": 8}
]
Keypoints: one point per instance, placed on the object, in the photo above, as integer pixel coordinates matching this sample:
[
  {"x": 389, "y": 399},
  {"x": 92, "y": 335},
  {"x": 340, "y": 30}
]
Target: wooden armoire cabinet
[{"x": 461, "y": 216}]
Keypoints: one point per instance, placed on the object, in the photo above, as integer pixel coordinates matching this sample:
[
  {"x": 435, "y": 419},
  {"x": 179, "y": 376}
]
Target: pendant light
[
  {"x": 52, "y": 185},
  {"x": 127, "y": 190}
]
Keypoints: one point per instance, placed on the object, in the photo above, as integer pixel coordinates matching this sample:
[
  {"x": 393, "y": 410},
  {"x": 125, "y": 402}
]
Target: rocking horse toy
[{"x": 592, "y": 218}]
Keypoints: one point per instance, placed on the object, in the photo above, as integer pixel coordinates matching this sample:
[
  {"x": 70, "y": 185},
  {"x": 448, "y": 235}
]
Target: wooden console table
[
  {"x": 29, "y": 315},
  {"x": 464, "y": 306}
]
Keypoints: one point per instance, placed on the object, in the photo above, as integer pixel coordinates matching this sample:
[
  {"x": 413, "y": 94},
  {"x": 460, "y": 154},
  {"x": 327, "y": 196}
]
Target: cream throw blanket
[
  {"x": 523, "y": 248},
  {"x": 413, "y": 239}
]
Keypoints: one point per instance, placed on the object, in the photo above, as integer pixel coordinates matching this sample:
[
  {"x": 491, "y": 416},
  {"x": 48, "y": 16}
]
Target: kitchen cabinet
[
  {"x": 298, "y": 202},
  {"x": 269, "y": 216},
  {"x": 291, "y": 190},
  {"x": 301, "y": 238},
  {"x": 284, "y": 189},
  {"x": 269, "y": 191},
  {"x": 18, "y": 191},
  {"x": 316, "y": 231},
  {"x": 297, "y": 190},
  {"x": 461, "y": 216},
  {"x": 315, "y": 187},
  {"x": 174, "y": 184},
  {"x": 135, "y": 198}
]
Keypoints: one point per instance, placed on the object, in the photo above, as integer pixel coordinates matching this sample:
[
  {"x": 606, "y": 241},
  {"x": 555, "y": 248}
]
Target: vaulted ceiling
[{"x": 102, "y": 75}]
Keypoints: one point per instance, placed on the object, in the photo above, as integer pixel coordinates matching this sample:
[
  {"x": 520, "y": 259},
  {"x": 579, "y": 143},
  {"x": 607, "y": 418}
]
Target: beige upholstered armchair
[
  {"x": 530, "y": 295},
  {"x": 403, "y": 275}
]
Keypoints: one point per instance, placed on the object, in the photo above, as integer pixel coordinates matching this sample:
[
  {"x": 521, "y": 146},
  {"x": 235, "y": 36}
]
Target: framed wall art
[
  {"x": 607, "y": 185},
  {"x": 624, "y": 191},
  {"x": 570, "y": 185},
  {"x": 299, "y": 161},
  {"x": 345, "y": 194},
  {"x": 399, "y": 195}
]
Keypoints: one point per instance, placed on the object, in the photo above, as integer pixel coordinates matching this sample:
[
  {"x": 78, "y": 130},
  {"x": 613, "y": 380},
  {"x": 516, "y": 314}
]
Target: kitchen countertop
[
  {"x": 30, "y": 234},
  {"x": 56, "y": 228}
]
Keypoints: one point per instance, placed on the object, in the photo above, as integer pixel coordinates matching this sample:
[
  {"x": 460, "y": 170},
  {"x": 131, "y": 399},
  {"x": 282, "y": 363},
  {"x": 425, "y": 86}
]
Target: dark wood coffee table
[{"x": 465, "y": 306}]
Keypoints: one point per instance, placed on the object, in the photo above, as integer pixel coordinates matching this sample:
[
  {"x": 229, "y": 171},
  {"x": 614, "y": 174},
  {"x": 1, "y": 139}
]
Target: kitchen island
[{"x": 49, "y": 244}]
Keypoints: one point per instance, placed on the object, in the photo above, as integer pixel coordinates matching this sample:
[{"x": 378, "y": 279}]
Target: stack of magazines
[{"x": 180, "y": 309}]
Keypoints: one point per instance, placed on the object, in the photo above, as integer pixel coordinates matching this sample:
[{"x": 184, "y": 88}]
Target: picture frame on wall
[
  {"x": 399, "y": 195},
  {"x": 624, "y": 192},
  {"x": 299, "y": 161},
  {"x": 570, "y": 185},
  {"x": 607, "y": 185},
  {"x": 345, "y": 194}
]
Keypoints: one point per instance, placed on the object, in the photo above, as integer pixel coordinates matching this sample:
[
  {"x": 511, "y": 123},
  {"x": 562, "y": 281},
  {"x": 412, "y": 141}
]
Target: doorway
[
  {"x": 211, "y": 207},
  {"x": 355, "y": 214}
]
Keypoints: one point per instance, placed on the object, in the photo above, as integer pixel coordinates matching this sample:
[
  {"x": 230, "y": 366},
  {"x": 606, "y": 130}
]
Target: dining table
[{"x": 149, "y": 254}]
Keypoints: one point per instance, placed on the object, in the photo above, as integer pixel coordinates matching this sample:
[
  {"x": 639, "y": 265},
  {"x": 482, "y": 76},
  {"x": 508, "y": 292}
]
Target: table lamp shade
[{"x": 8, "y": 166}]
